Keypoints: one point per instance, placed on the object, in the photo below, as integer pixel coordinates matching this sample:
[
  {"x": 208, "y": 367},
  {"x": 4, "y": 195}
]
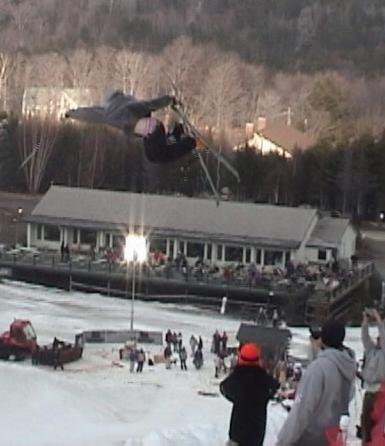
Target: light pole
[
  {"x": 17, "y": 222},
  {"x": 135, "y": 251}
]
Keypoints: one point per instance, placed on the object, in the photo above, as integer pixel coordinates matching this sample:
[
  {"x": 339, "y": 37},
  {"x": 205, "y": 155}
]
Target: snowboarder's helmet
[{"x": 250, "y": 352}]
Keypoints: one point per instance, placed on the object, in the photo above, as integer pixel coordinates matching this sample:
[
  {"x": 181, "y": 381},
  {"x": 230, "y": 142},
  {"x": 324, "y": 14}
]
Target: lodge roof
[
  {"x": 328, "y": 232},
  {"x": 264, "y": 224}
]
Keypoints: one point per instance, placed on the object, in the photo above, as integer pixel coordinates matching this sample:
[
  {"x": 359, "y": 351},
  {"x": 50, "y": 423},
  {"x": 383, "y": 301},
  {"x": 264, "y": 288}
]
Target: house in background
[
  {"x": 44, "y": 101},
  {"x": 276, "y": 136},
  {"x": 232, "y": 232}
]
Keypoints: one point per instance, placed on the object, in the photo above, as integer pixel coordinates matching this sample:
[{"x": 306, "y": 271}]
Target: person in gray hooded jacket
[
  {"x": 373, "y": 371},
  {"x": 323, "y": 394}
]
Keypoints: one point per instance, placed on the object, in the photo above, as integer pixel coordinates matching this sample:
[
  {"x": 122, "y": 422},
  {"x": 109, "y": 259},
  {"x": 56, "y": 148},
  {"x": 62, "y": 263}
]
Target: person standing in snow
[
  {"x": 193, "y": 344},
  {"x": 216, "y": 342},
  {"x": 249, "y": 388},
  {"x": 179, "y": 341},
  {"x": 132, "y": 359},
  {"x": 198, "y": 359},
  {"x": 141, "y": 357},
  {"x": 223, "y": 340},
  {"x": 323, "y": 394},
  {"x": 167, "y": 356},
  {"x": 183, "y": 358},
  {"x": 373, "y": 371},
  {"x": 200, "y": 343}
]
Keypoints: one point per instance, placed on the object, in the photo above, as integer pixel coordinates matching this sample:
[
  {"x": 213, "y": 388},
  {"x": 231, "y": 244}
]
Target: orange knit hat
[{"x": 249, "y": 353}]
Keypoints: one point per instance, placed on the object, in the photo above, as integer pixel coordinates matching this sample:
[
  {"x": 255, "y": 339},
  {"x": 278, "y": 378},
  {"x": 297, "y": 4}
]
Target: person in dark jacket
[
  {"x": 249, "y": 388},
  {"x": 133, "y": 116}
]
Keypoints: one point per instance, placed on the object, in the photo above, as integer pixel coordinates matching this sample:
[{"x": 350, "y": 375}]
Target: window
[
  {"x": 258, "y": 256},
  {"x": 248, "y": 255},
  {"x": 107, "y": 240},
  {"x": 233, "y": 254},
  {"x": 75, "y": 236},
  {"x": 87, "y": 237},
  {"x": 273, "y": 257},
  {"x": 182, "y": 246},
  {"x": 39, "y": 232},
  {"x": 195, "y": 249},
  {"x": 219, "y": 252},
  {"x": 322, "y": 254},
  {"x": 52, "y": 233},
  {"x": 287, "y": 257},
  {"x": 158, "y": 244},
  {"x": 171, "y": 248},
  {"x": 209, "y": 251}
]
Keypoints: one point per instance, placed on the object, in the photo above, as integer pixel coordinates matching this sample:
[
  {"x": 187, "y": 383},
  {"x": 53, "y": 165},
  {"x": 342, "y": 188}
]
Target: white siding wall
[
  {"x": 347, "y": 246},
  {"x": 266, "y": 146},
  {"x": 312, "y": 254}
]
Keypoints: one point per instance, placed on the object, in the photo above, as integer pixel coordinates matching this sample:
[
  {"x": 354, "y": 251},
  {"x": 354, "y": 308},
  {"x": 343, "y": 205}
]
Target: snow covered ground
[{"x": 95, "y": 403}]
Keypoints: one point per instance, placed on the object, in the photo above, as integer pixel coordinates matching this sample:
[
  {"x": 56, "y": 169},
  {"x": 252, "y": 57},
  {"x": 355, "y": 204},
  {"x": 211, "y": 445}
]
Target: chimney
[
  {"x": 261, "y": 123},
  {"x": 249, "y": 130}
]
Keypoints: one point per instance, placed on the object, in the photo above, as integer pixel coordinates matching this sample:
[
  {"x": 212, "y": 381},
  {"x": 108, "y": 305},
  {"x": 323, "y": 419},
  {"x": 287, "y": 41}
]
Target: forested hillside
[
  {"x": 232, "y": 60},
  {"x": 288, "y": 35}
]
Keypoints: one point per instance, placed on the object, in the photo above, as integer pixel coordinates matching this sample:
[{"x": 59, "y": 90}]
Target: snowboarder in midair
[{"x": 133, "y": 116}]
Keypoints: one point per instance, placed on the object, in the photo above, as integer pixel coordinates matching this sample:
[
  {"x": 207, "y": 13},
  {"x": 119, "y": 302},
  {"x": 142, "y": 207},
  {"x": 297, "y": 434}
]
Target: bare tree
[
  {"x": 224, "y": 96},
  {"x": 7, "y": 64},
  {"x": 36, "y": 139},
  {"x": 80, "y": 64},
  {"x": 47, "y": 69},
  {"x": 21, "y": 13},
  {"x": 131, "y": 69}
]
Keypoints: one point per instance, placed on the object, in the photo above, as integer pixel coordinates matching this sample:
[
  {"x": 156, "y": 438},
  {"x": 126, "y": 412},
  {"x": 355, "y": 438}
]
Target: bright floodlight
[{"x": 136, "y": 248}]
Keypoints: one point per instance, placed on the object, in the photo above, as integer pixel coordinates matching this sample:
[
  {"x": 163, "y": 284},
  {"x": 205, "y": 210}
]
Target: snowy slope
[{"x": 95, "y": 403}]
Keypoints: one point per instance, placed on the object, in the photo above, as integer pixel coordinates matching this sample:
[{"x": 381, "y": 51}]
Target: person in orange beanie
[{"x": 249, "y": 388}]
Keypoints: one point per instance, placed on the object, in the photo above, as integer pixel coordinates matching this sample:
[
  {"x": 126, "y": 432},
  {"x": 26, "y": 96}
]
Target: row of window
[
  {"x": 51, "y": 233},
  {"x": 228, "y": 253}
]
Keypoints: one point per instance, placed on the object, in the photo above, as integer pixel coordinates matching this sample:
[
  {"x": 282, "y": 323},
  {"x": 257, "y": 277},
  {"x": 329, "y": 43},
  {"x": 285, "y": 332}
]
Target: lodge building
[{"x": 231, "y": 232}]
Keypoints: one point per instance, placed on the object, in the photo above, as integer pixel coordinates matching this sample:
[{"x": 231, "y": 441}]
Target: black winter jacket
[{"x": 249, "y": 389}]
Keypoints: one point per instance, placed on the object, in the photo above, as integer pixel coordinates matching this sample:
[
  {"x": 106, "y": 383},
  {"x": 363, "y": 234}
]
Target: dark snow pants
[{"x": 159, "y": 150}]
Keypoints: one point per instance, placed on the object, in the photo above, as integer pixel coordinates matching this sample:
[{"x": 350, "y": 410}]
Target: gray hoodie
[
  {"x": 121, "y": 111},
  {"x": 373, "y": 371},
  {"x": 323, "y": 396}
]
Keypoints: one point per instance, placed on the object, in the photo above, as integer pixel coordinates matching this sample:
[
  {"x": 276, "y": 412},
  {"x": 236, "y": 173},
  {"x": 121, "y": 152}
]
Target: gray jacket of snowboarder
[
  {"x": 121, "y": 111},
  {"x": 373, "y": 371},
  {"x": 323, "y": 396}
]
